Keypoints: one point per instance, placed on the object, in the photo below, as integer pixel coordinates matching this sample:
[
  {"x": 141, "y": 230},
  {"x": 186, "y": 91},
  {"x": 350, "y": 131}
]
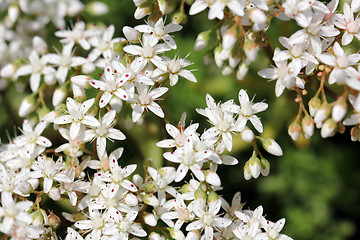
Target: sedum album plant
[{"x": 96, "y": 76}]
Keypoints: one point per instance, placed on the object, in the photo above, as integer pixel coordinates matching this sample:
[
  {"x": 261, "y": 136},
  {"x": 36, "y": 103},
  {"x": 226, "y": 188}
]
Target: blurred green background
[{"x": 315, "y": 185}]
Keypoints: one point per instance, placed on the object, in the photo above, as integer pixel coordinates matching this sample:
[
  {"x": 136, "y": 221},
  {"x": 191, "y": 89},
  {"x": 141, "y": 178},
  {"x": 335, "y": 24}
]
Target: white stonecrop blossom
[
  {"x": 248, "y": 109},
  {"x": 77, "y": 116}
]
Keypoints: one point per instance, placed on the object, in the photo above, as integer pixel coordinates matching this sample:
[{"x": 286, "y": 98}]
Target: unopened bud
[
  {"x": 179, "y": 18},
  {"x": 247, "y": 172},
  {"x": 151, "y": 200},
  {"x": 38, "y": 218},
  {"x": 25, "y": 187},
  {"x": 55, "y": 194},
  {"x": 185, "y": 188},
  {"x": 154, "y": 16},
  {"x": 254, "y": 165},
  {"x": 81, "y": 81},
  {"x": 200, "y": 193},
  {"x": 59, "y": 95},
  {"x": 202, "y": 40},
  {"x": 265, "y": 167},
  {"x": 212, "y": 197},
  {"x": 8, "y": 70},
  {"x": 247, "y": 135},
  {"x": 27, "y": 106},
  {"x": 230, "y": 37},
  {"x": 217, "y": 56},
  {"x": 314, "y": 105},
  {"x": 212, "y": 178},
  {"x": 141, "y": 12},
  {"x": 150, "y": 187},
  {"x": 155, "y": 236},
  {"x": 130, "y": 33},
  {"x": 13, "y": 13},
  {"x": 242, "y": 71},
  {"x": 250, "y": 49},
  {"x": 137, "y": 180},
  {"x": 339, "y": 110},
  {"x": 322, "y": 113},
  {"x": 271, "y": 146},
  {"x": 39, "y": 45},
  {"x": 257, "y": 16},
  {"x": 150, "y": 219},
  {"x": 78, "y": 92},
  {"x": 328, "y": 128},
  {"x": 118, "y": 47},
  {"x": 294, "y": 130},
  {"x": 130, "y": 199},
  {"x": 355, "y": 134},
  {"x": 308, "y": 126},
  {"x": 97, "y": 8},
  {"x": 54, "y": 221}
]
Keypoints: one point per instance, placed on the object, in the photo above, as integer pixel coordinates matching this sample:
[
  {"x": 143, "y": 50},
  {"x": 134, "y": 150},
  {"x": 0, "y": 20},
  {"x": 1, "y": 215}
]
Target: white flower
[
  {"x": 188, "y": 159},
  {"x": 77, "y": 116},
  {"x": 78, "y": 34},
  {"x": 102, "y": 131},
  {"x": 341, "y": 61},
  {"x": 272, "y": 230},
  {"x": 217, "y": 7},
  {"x": 145, "y": 99},
  {"x": 94, "y": 225},
  {"x": 32, "y": 137},
  {"x": 208, "y": 219},
  {"x": 65, "y": 60},
  {"x": 149, "y": 51},
  {"x": 36, "y": 68},
  {"x": 346, "y": 21},
  {"x": 248, "y": 109},
  {"x": 161, "y": 31},
  {"x": 285, "y": 74},
  {"x": 73, "y": 235}
]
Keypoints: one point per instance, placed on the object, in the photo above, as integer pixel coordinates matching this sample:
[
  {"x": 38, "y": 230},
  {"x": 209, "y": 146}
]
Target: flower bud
[
  {"x": 242, "y": 71},
  {"x": 217, "y": 56},
  {"x": 328, "y": 128},
  {"x": 212, "y": 178},
  {"x": 97, "y": 8},
  {"x": 151, "y": 200},
  {"x": 137, "y": 180},
  {"x": 8, "y": 70},
  {"x": 59, "y": 95},
  {"x": 131, "y": 34},
  {"x": 79, "y": 93},
  {"x": 193, "y": 235},
  {"x": 55, "y": 194},
  {"x": 25, "y": 187},
  {"x": 250, "y": 48},
  {"x": 39, "y": 45},
  {"x": 294, "y": 130},
  {"x": 355, "y": 134},
  {"x": 265, "y": 167},
  {"x": 308, "y": 126},
  {"x": 179, "y": 18},
  {"x": 118, "y": 47},
  {"x": 150, "y": 219},
  {"x": 339, "y": 110},
  {"x": 185, "y": 188},
  {"x": 202, "y": 40},
  {"x": 257, "y": 16},
  {"x": 116, "y": 104},
  {"x": 247, "y": 135},
  {"x": 254, "y": 165},
  {"x": 212, "y": 197},
  {"x": 141, "y": 12},
  {"x": 130, "y": 199},
  {"x": 155, "y": 236},
  {"x": 54, "y": 221},
  {"x": 13, "y": 12},
  {"x": 322, "y": 114},
  {"x": 227, "y": 70},
  {"x": 314, "y": 105},
  {"x": 81, "y": 81},
  {"x": 150, "y": 187},
  {"x": 27, "y": 106},
  {"x": 88, "y": 67},
  {"x": 200, "y": 193},
  {"x": 38, "y": 218},
  {"x": 271, "y": 146},
  {"x": 247, "y": 172},
  {"x": 230, "y": 37}
]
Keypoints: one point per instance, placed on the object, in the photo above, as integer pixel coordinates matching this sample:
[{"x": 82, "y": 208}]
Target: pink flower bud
[
  {"x": 54, "y": 221},
  {"x": 308, "y": 126},
  {"x": 322, "y": 114},
  {"x": 230, "y": 37},
  {"x": 81, "y": 81},
  {"x": 294, "y": 130}
]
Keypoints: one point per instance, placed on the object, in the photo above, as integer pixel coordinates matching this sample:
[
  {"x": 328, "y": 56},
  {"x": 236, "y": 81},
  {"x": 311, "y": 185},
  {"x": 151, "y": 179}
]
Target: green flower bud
[
  {"x": 212, "y": 197},
  {"x": 200, "y": 193}
]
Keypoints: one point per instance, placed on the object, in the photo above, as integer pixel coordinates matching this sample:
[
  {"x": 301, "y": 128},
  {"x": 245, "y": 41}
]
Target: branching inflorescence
[{"x": 180, "y": 201}]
